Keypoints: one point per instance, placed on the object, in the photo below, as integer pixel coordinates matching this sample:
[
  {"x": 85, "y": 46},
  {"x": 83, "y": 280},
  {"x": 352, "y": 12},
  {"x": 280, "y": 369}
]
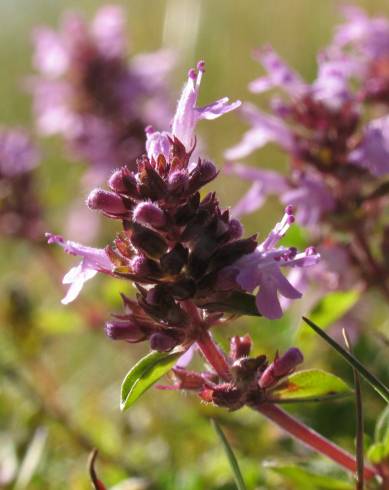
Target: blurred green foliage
[{"x": 60, "y": 375}]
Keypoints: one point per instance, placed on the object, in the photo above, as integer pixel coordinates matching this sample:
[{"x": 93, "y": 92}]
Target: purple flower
[
  {"x": 331, "y": 86},
  {"x": 279, "y": 74},
  {"x": 373, "y": 151},
  {"x": 187, "y": 115},
  {"x": 364, "y": 43},
  {"x": 89, "y": 93},
  {"x": 369, "y": 36},
  {"x": 265, "y": 182},
  {"x": 262, "y": 269},
  {"x": 94, "y": 260},
  {"x": 306, "y": 192},
  {"x": 310, "y": 196}
]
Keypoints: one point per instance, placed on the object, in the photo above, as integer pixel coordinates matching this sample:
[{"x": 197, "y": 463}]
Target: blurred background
[{"x": 60, "y": 375}]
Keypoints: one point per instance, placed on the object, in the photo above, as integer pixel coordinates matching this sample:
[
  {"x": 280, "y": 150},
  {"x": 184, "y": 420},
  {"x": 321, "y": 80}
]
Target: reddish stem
[
  {"x": 312, "y": 439},
  {"x": 213, "y": 355}
]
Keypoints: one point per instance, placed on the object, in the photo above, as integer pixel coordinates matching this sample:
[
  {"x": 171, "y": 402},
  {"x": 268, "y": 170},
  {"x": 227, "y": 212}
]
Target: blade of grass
[
  {"x": 378, "y": 385},
  {"x": 230, "y": 456},
  {"x": 359, "y": 425}
]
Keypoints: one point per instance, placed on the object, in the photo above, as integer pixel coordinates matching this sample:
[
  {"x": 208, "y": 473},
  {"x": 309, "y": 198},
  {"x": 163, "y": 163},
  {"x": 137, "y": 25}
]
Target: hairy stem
[
  {"x": 213, "y": 355},
  {"x": 312, "y": 438}
]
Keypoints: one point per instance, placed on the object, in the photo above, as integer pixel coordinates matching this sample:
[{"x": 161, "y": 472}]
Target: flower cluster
[
  {"x": 87, "y": 91},
  {"x": 186, "y": 256},
  {"x": 338, "y": 160},
  {"x": 20, "y": 211}
]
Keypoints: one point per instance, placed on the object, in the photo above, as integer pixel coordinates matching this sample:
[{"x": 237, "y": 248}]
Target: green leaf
[
  {"x": 377, "y": 384},
  {"x": 380, "y": 449},
  {"x": 382, "y": 427},
  {"x": 378, "y": 452},
  {"x": 333, "y": 306},
  {"x": 230, "y": 456},
  {"x": 309, "y": 385},
  {"x": 144, "y": 374},
  {"x": 306, "y": 479}
]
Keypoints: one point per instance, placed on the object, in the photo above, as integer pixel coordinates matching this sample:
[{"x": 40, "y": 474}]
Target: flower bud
[
  {"x": 116, "y": 182},
  {"x": 287, "y": 363},
  {"x": 162, "y": 342},
  {"x": 106, "y": 201},
  {"x": 148, "y": 213},
  {"x": 124, "y": 330},
  {"x": 178, "y": 180},
  {"x": 240, "y": 347},
  {"x": 280, "y": 367}
]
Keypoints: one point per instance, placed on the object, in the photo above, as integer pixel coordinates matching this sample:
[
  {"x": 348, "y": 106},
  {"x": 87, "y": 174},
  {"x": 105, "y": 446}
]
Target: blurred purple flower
[
  {"x": 364, "y": 42},
  {"x": 373, "y": 151},
  {"x": 306, "y": 192},
  {"x": 20, "y": 210},
  {"x": 88, "y": 92},
  {"x": 17, "y": 153},
  {"x": 265, "y": 129},
  {"x": 369, "y": 35}
]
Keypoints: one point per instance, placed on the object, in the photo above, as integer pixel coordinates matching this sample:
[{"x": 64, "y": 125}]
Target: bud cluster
[
  {"x": 251, "y": 378},
  {"x": 173, "y": 243}
]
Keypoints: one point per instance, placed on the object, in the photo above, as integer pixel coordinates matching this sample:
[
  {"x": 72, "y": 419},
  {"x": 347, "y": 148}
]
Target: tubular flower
[
  {"x": 262, "y": 269},
  {"x": 93, "y": 260},
  {"x": 187, "y": 115},
  {"x": 89, "y": 93}
]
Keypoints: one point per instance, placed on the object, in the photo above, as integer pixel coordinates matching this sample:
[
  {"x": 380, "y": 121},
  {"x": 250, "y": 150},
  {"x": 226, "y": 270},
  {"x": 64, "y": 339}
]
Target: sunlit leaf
[
  {"x": 333, "y": 306},
  {"x": 377, "y": 384},
  {"x": 306, "y": 479},
  {"x": 230, "y": 456},
  {"x": 144, "y": 374},
  {"x": 309, "y": 385}
]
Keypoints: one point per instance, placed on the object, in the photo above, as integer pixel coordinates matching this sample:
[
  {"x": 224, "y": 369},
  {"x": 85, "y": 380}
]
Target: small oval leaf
[
  {"x": 146, "y": 372},
  {"x": 309, "y": 385}
]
